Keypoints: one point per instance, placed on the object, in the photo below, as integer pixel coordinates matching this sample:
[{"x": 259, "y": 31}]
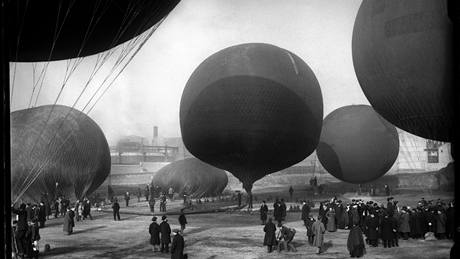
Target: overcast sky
[{"x": 148, "y": 92}]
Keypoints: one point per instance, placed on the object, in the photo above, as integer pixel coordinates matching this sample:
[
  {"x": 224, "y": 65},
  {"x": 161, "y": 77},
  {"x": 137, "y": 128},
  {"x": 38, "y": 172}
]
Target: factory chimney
[{"x": 155, "y": 136}]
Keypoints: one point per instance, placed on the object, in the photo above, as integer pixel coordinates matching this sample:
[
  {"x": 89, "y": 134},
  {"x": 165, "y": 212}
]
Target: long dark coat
[
  {"x": 355, "y": 242},
  {"x": 182, "y": 219},
  {"x": 68, "y": 222},
  {"x": 270, "y": 234},
  {"x": 330, "y": 226},
  {"x": 263, "y": 212},
  {"x": 339, "y": 217},
  {"x": 305, "y": 212},
  {"x": 277, "y": 214},
  {"x": 387, "y": 228},
  {"x": 441, "y": 223},
  {"x": 177, "y": 247},
  {"x": 154, "y": 231},
  {"x": 22, "y": 219},
  {"x": 165, "y": 231},
  {"x": 283, "y": 209},
  {"x": 42, "y": 213},
  {"x": 372, "y": 228}
]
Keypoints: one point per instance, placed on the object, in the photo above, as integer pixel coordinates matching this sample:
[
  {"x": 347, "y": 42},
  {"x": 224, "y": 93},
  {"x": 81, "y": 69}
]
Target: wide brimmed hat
[
  {"x": 163, "y": 217},
  {"x": 154, "y": 218}
]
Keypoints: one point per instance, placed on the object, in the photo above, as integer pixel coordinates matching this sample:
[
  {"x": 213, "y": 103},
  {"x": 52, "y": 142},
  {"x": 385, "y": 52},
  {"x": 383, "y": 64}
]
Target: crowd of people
[{"x": 378, "y": 223}]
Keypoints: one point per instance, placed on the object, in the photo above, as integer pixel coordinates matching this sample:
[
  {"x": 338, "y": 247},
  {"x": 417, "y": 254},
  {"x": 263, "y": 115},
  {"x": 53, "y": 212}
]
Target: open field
[{"x": 236, "y": 234}]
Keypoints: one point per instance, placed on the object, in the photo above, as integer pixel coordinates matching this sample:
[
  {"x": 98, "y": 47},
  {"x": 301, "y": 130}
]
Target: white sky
[{"x": 148, "y": 92}]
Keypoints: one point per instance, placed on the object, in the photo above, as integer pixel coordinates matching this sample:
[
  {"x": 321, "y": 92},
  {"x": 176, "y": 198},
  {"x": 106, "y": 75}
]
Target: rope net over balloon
[{"x": 80, "y": 73}]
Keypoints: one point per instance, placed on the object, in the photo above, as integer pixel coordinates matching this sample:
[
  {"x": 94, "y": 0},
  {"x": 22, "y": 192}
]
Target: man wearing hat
[
  {"x": 154, "y": 231},
  {"x": 177, "y": 246},
  {"x": 165, "y": 231}
]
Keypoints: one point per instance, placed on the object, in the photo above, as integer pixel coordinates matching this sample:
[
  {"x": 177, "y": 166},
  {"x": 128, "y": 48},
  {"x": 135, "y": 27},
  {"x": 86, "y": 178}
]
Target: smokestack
[{"x": 155, "y": 136}]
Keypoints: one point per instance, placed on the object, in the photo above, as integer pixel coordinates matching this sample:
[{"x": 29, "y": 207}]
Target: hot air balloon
[
  {"x": 56, "y": 29},
  {"x": 192, "y": 176},
  {"x": 357, "y": 145},
  {"x": 251, "y": 109},
  {"x": 71, "y": 157},
  {"x": 402, "y": 54}
]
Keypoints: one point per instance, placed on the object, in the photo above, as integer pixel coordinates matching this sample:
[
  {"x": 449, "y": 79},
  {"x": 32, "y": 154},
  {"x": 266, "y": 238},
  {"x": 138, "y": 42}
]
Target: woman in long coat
[
  {"x": 355, "y": 242},
  {"x": 69, "y": 223},
  {"x": 270, "y": 235},
  {"x": 154, "y": 231},
  {"x": 263, "y": 212},
  {"x": 318, "y": 230},
  {"x": 331, "y": 227}
]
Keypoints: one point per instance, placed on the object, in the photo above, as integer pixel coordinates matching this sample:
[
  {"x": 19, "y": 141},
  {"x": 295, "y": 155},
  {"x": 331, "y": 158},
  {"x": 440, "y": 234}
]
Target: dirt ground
[{"x": 212, "y": 235}]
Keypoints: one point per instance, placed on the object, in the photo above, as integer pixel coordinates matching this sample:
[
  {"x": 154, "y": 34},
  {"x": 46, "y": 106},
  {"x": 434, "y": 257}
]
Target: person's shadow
[{"x": 326, "y": 246}]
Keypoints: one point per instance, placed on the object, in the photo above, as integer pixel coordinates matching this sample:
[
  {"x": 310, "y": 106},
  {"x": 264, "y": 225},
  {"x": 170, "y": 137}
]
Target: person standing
[
  {"x": 56, "y": 208},
  {"x": 154, "y": 231},
  {"x": 283, "y": 209},
  {"x": 305, "y": 213},
  {"x": 404, "y": 227},
  {"x": 127, "y": 198},
  {"x": 147, "y": 192},
  {"x": 318, "y": 232},
  {"x": 355, "y": 242},
  {"x": 171, "y": 193},
  {"x": 139, "y": 194},
  {"x": 270, "y": 235},
  {"x": 22, "y": 228},
  {"x": 331, "y": 227},
  {"x": 387, "y": 231},
  {"x": 372, "y": 229},
  {"x": 116, "y": 210},
  {"x": 42, "y": 214},
  {"x": 308, "y": 224},
  {"x": 441, "y": 219},
  {"x": 152, "y": 204},
  {"x": 177, "y": 246},
  {"x": 69, "y": 222},
  {"x": 291, "y": 193},
  {"x": 165, "y": 231},
  {"x": 263, "y": 212},
  {"x": 182, "y": 220},
  {"x": 277, "y": 211},
  {"x": 87, "y": 209}
]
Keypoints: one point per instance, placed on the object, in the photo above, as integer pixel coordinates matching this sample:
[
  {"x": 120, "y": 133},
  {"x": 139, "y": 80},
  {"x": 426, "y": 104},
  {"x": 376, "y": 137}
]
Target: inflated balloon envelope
[
  {"x": 357, "y": 145},
  {"x": 56, "y": 149},
  {"x": 251, "y": 109},
  {"x": 403, "y": 58}
]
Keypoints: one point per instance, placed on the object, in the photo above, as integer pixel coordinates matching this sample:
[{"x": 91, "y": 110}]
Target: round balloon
[
  {"x": 56, "y": 29},
  {"x": 357, "y": 145},
  {"x": 71, "y": 157},
  {"x": 192, "y": 177},
  {"x": 402, "y": 54},
  {"x": 251, "y": 109}
]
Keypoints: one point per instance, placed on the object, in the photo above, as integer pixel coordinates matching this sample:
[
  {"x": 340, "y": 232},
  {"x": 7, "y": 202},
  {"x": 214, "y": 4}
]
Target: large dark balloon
[
  {"x": 251, "y": 109},
  {"x": 192, "y": 176},
  {"x": 78, "y": 158},
  {"x": 357, "y": 145},
  {"x": 79, "y": 28},
  {"x": 402, "y": 54}
]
